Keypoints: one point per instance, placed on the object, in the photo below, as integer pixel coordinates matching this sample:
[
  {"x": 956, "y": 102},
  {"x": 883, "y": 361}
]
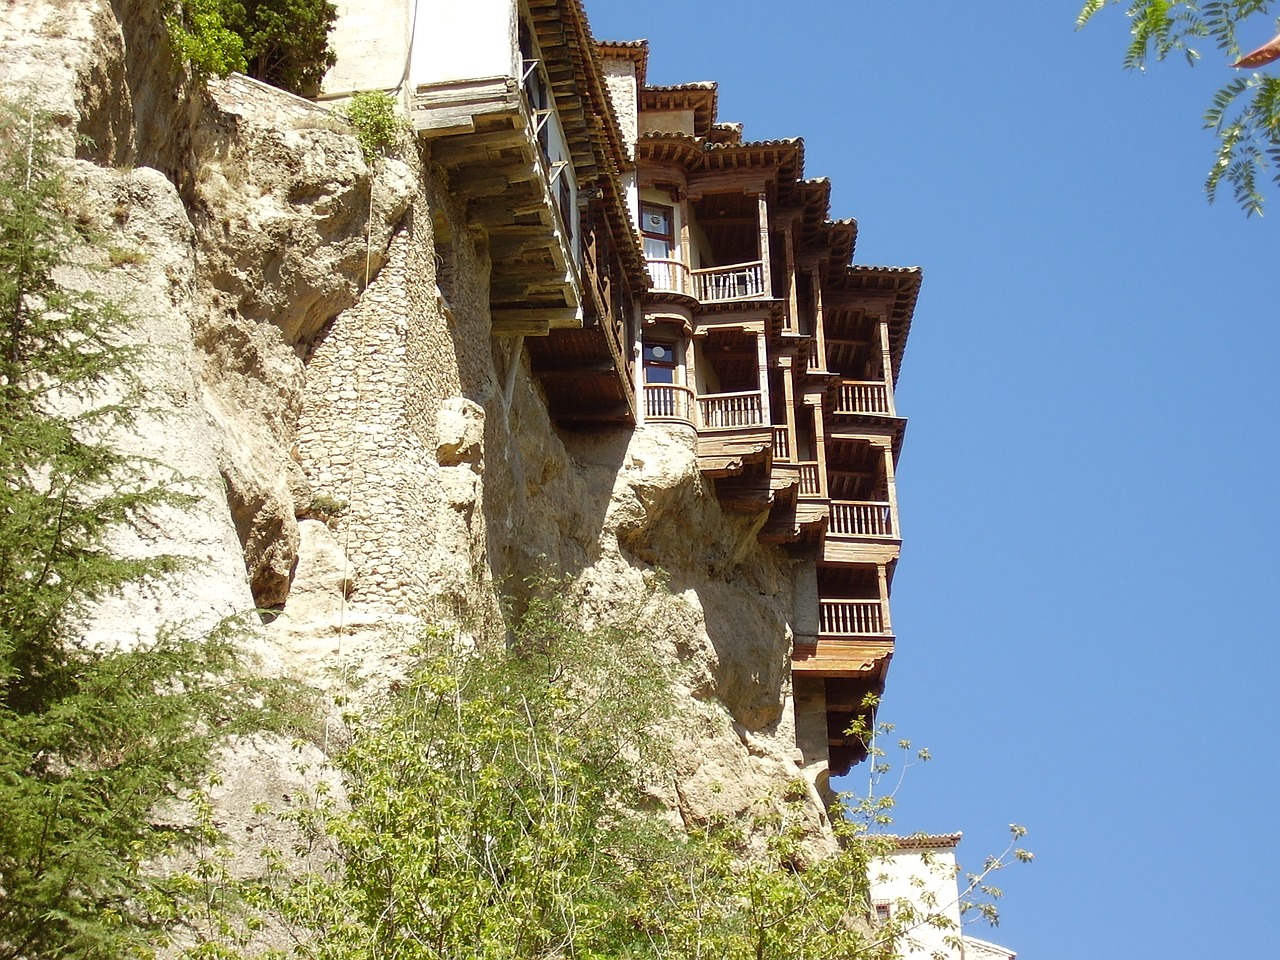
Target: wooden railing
[
  {"x": 810, "y": 479},
  {"x": 861, "y": 518},
  {"x": 781, "y": 444},
  {"x": 863, "y": 396},
  {"x": 668, "y": 401},
  {"x": 850, "y": 617},
  {"x": 731, "y": 410},
  {"x": 736, "y": 281},
  {"x": 669, "y": 276}
]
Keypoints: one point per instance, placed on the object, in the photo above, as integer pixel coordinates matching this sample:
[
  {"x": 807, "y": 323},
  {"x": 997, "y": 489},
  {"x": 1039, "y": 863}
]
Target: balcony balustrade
[
  {"x": 863, "y": 396},
  {"x": 781, "y": 444},
  {"x": 717, "y": 410},
  {"x": 669, "y": 276},
  {"x": 850, "y": 618},
  {"x": 668, "y": 401},
  {"x": 861, "y": 518},
  {"x": 810, "y": 479},
  {"x": 738, "y": 281}
]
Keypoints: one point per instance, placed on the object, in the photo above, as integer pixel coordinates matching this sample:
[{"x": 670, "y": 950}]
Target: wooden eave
[
  {"x": 726, "y": 133},
  {"x": 678, "y": 149},
  {"x": 777, "y": 159},
  {"x": 700, "y": 98},
  {"x": 900, "y": 284},
  {"x": 573, "y": 62}
]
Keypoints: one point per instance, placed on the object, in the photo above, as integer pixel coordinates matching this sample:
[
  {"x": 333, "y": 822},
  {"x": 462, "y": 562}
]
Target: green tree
[
  {"x": 1245, "y": 112},
  {"x": 501, "y": 805},
  {"x": 92, "y": 741},
  {"x": 281, "y": 42}
]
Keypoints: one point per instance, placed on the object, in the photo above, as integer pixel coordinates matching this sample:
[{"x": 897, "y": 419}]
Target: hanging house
[
  {"x": 510, "y": 96},
  {"x": 662, "y": 271},
  {"x": 758, "y": 334}
]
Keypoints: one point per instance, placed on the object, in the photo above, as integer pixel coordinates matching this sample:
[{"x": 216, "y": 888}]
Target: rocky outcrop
[{"x": 325, "y": 382}]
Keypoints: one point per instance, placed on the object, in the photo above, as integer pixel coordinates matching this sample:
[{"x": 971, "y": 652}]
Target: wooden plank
[
  {"x": 534, "y": 315},
  {"x": 518, "y": 328}
]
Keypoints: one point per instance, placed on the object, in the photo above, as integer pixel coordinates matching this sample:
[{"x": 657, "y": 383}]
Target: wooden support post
[
  {"x": 886, "y": 359},
  {"x": 793, "y": 299},
  {"x": 820, "y": 448},
  {"x": 883, "y": 576},
  {"x": 891, "y": 486},
  {"x": 819, "y": 329},
  {"x": 789, "y": 392},
  {"x": 762, "y": 376},
  {"x": 764, "y": 244}
]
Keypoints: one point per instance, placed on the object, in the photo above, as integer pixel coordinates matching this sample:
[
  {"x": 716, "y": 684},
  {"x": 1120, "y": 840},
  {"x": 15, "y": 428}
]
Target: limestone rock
[{"x": 459, "y": 432}]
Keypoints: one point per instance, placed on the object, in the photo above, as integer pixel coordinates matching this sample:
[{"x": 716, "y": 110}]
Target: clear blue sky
[{"x": 1086, "y": 601}]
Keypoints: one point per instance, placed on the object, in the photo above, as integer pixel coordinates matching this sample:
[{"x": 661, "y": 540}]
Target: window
[
  {"x": 659, "y": 363},
  {"x": 656, "y": 225}
]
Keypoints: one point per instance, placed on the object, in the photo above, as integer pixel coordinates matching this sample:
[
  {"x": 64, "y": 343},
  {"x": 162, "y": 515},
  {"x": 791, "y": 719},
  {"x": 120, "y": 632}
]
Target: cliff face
[{"x": 368, "y": 458}]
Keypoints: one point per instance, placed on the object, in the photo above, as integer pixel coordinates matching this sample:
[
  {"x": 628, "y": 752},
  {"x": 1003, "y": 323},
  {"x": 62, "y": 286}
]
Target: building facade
[{"x": 662, "y": 272}]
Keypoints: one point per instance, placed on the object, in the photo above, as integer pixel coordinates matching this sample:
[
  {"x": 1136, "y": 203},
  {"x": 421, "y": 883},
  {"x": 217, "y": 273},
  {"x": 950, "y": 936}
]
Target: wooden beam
[{"x": 534, "y": 315}]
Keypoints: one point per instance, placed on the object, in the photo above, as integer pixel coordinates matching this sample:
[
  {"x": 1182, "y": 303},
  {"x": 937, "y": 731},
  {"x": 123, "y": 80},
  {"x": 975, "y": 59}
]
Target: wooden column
[
  {"x": 637, "y": 349},
  {"x": 891, "y": 486},
  {"x": 764, "y": 244},
  {"x": 886, "y": 359},
  {"x": 793, "y": 299},
  {"x": 819, "y": 331},
  {"x": 820, "y": 447},
  {"x": 789, "y": 391},
  {"x": 762, "y": 377},
  {"x": 686, "y": 246},
  {"x": 883, "y": 576}
]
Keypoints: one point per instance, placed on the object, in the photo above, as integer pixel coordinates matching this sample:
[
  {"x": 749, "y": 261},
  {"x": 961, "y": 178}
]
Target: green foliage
[
  {"x": 281, "y": 42},
  {"x": 285, "y": 41},
  {"x": 500, "y": 805},
  {"x": 92, "y": 741},
  {"x": 201, "y": 38},
  {"x": 1245, "y": 112},
  {"x": 379, "y": 126}
]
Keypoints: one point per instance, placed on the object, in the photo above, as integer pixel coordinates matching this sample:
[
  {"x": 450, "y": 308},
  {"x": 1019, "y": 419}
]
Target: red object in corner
[{"x": 1262, "y": 56}]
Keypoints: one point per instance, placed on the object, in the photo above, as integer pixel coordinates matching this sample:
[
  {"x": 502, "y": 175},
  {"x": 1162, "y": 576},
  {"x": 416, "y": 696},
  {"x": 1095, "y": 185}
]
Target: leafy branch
[{"x": 1245, "y": 112}]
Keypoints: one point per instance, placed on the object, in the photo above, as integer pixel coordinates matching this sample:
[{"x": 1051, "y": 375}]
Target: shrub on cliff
[
  {"x": 92, "y": 741},
  {"x": 281, "y": 42},
  {"x": 501, "y": 804}
]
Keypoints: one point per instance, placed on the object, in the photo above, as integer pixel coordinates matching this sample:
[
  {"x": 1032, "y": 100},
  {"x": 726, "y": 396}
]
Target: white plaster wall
[
  {"x": 667, "y": 121},
  {"x": 464, "y": 41},
  {"x": 371, "y": 40},
  {"x": 926, "y": 878}
]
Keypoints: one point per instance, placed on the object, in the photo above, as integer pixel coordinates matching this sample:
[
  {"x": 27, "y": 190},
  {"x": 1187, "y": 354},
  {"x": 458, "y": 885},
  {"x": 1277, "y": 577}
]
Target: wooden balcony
[
  {"x": 852, "y": 640},
  {"x": 862, "y": 518},
  {"x": 811, "y": 479},
  {"x": 738, "y": 281},
  {"x": 734, "y": 434},
  {"x": 864, "y": 397},
  {"x": 717, "y": 411},
  {"x": 668, "y": 402},
  {"x": 669, "y": 276},
  {"x": 781, "y": 444},
  {"x": 851, "y": 618}
]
